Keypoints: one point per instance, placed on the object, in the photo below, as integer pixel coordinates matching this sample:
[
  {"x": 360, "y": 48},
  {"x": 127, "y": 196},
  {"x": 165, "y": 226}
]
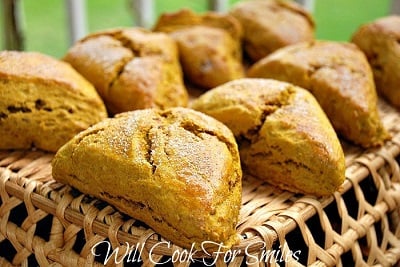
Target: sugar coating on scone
[
  {"x": 284, "y": 136},
  {"x": 132, "y": 68},
  {"x": 209, "y": 45},
  {"x": 340, "y": 78},
  {"x": 271, "y": 24},
  {"x": 177, "y": 170},
  {"x": 380, "y": 41},
  {"x": 44, "y": 102}
]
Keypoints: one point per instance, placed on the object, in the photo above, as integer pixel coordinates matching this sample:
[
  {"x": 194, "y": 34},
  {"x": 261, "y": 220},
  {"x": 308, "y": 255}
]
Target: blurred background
[{"x": 45, "y": 22}]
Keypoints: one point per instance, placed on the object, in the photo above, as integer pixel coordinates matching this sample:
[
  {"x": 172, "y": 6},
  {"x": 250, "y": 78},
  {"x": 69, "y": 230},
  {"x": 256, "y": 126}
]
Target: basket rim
[{"x": 53, "y": 197}]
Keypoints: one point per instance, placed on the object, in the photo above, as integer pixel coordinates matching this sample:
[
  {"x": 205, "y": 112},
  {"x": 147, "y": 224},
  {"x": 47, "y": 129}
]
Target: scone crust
[
  {"x": 209, "y": 45},
  {"x": 184, "y": 18},
  {"x": 284, "y": 136},
  {"x": 206, "y": 56},
  {"x": 44, "y": 101},
  {"x": 176, "y": 170},
  {"x": 132, "y": 68},
  {"x": 339, "y": 76},
  {"x": 379, "y": 40},
  {"x": 271, "y": 24}
]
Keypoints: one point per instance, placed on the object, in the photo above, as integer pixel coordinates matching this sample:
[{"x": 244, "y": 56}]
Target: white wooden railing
[{"x": 142, "y": 11}]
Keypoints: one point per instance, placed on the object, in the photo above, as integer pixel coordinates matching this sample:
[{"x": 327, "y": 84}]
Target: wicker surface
[{"x": 43, "y": 222}]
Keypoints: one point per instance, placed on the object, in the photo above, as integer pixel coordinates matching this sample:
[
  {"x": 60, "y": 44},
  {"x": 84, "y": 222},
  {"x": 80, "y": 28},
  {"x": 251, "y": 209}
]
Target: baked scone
[
  {"x": 177, "y": 170},
  {"x": 131, "y": 68},
  {"x": 271, "y": 24},
  {"x": 380, "y": 41},
  {"x": 209, "y": 45},
  {"x": 44, "y": 102},
  {"x": 340, "y": 78},
  {"x": 284, "y": 136}
]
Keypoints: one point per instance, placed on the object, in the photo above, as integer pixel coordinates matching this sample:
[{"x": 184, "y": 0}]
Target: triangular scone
[
  {"x": 340, "y": 78},
  {"x": 177, "y": 170},
  {"x": 131, "y": 68},
  {"x": 380, "y": 42},
  {"x": 209, "y": 45},
  {"x": 271, "y": 24},
  {"x": 284, "y": 136},
  {"x": 44, "y": 102}
]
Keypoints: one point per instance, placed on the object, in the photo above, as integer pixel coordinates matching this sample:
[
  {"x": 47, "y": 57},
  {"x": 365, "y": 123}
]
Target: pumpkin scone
[
  {"x": 44, "y": 102},
  {"x": 284, "y": 136},
  {"x": 177, "y": 170},
  {"x": 380, "y": 41},
  {"x": 271, "y": 24},
  {"x": 340, "y": 78},
  {"x": 131, "y": 68},
  {"x": 209, "y": 45}
]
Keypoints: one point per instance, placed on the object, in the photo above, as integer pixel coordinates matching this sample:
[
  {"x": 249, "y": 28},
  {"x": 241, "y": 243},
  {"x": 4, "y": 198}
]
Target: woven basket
[{"x": 43, "y": 222}]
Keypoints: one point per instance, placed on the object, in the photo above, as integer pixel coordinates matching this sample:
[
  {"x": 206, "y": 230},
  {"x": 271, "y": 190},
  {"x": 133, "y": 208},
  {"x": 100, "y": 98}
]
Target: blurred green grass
[
  {"x": 46, "y": 21},
  {"x": 338, "y": 19}
]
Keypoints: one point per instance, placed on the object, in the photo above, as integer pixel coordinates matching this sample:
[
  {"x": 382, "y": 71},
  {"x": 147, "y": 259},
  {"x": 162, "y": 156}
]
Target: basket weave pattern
[{"x": 43, "y": 222}]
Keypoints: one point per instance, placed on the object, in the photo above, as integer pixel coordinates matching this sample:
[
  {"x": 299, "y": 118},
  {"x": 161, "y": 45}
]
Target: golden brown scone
[
  {"x": 380, "y": 41},
  {"x": 177, "y": 170},
  {"x": 284, "y": 136},
  {"x": 209, "y": 45},
  {"x": 132, "y": 68},
  {"x": 340, "y": 78},
  {"x": 271, "y": 24},
  {"x": 44, "y": 102}
]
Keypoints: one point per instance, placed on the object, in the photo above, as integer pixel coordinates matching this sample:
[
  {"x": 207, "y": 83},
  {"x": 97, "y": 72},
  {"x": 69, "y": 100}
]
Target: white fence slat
[
  {"x": 77, "y": 19},
  {"x": 13, "y": 22},
  {"x": 218, "y": 5},
  {"x": 307, "y": 4},
  {"x": 143, "y": 12}
]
